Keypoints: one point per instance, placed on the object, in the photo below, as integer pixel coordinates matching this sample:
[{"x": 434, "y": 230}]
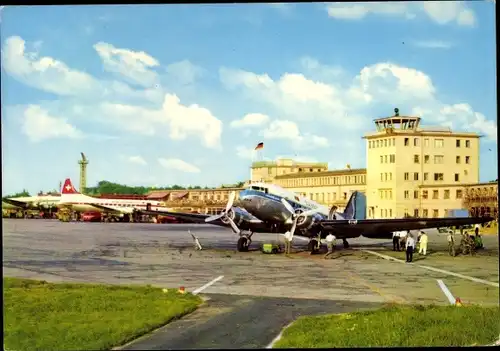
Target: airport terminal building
[{"x": 410, "y": 171}]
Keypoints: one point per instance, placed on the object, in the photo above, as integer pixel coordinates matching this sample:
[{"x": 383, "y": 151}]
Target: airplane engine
[
  {"x": 237, "y": 216},
  {"x": 306, "y": 222}
]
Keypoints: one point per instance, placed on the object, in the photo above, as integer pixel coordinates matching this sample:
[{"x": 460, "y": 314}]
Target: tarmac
[{"x": 250, "y": 296}]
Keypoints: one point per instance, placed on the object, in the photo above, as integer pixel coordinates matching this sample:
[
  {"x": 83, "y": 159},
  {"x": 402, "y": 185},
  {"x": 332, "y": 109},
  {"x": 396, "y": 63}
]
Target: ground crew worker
[
  {"x": 395, "y": 241},
  {"x": 288, "y": 242},
  {"x": 451, "y": 243},
  {"x": 330, "y": 244},
  {"x": 423, "y": 243},
  {"x": 410, "y": 246},
  {"x": 478, "y": 242}
]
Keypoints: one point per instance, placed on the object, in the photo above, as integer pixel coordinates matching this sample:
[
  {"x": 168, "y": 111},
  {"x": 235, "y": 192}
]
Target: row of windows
[
  {"x": 438, "y": 159},
  {"x": 388, "y": 158},
  {"x": 438, "y": 177},
  {"x": 387, "y": 213},
  {"x": 318, "y": 181},
  {"x": 438, "y": 143},
  {"x": 327, "y": 197},
  {"x": 435, "y": 194}
]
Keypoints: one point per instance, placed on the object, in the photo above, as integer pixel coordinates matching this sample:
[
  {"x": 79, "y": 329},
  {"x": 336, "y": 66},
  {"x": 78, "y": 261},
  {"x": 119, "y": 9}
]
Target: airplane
[
  {"x": 70, "y": 198},
  {"x": 269, "y": 208}
]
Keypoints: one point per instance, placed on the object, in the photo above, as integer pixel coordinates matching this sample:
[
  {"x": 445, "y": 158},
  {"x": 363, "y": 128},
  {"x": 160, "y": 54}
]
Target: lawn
[
  {"x": 394, "y": 326},
  {"x": 43, "y": 316}
]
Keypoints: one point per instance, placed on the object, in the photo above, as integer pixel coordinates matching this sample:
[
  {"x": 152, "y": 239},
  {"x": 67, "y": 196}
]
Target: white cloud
[
  {"x": 288, "y": 130},
  {"x": 137, "y": 160},
  {"x": 53, "y": 76},
  {"x": 134, "y": 65},
  {"x": 182, "y": 121},
  {"x": 244, "y": 152},
  {"x": 441, "y": 12},
  {"x": 178, "y": 165},
  {"x": 184, "y": 71},
  {"x": 433, "y": 44},
  {"x": 250, "y": 120},
  {"x": 38, "y": 125}
]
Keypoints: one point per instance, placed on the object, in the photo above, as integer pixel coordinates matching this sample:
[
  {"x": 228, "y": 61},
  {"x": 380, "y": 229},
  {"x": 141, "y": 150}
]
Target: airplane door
[{"x": 148, "y": 206}]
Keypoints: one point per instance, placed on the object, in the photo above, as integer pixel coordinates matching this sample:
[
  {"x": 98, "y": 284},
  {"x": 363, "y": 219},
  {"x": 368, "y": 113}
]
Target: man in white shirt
[
  {"x": 410, "y": 245},
  {"x": 423, "y": 243},
  {"x": 288, "y": 242},
  {"x": 330, "y": 243}
]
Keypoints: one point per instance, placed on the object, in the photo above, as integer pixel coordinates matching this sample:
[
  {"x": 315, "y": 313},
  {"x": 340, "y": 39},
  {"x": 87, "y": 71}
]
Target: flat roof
[{"x": 338, "y": 172}]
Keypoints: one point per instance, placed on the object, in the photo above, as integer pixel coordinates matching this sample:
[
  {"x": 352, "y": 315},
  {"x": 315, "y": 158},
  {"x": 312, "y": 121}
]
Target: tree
[{"x": 23, "y": 193}]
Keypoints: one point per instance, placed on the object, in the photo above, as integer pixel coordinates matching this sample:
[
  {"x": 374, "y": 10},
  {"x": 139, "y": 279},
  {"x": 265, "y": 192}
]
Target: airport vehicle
[
  {"x": 270, "y": 208},
  {"x": 91, "y": 216},
  {"x": 118, "y": 209}
]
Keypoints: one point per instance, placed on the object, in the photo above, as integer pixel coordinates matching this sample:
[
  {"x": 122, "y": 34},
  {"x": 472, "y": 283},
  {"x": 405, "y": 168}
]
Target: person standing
[
  {"x": 395, "y": 241},
  {"x": 288, "y": 242},
  {"x": 423, "y": 243},
  {"x": 451, "y": 243},
  {"x": 410, "y": 246},
  {"x": 330, "y": 244}
]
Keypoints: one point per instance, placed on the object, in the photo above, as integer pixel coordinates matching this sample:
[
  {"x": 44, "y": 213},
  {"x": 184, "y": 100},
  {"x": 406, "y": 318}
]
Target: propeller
[
  {"x": 295, "y": 216},
  {"x": 224, "y": 213}
]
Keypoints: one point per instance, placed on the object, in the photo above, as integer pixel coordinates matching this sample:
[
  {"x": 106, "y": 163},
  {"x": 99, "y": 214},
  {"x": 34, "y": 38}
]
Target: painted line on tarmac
[
  {"x": 278, "y": 337},
  {"x": 446, "y": 291},
  {"x": 200, "y": 289},
  {"x": 477, "y": 280}
]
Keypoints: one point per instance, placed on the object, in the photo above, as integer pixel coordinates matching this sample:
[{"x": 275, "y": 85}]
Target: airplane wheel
[
  {"x": 242, "y": 244},
  {"x": 313, "y": 246},
  {"x": 346, "y": 244}
]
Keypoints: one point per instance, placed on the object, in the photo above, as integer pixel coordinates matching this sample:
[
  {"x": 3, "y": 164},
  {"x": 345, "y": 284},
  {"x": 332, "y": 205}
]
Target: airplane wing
[
  {"x": 16, "y": 203},
  {"x": 382, "y": 227}
]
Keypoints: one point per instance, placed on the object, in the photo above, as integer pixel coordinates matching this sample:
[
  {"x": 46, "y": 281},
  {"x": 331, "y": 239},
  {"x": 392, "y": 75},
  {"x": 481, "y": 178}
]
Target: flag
[{"x": 259, "y": 146}]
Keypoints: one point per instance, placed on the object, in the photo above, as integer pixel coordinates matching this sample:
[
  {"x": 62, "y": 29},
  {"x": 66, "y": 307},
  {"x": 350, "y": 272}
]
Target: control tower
[
  {"x": 83, "y": 173},
  {"x": 397, "y": 123}
]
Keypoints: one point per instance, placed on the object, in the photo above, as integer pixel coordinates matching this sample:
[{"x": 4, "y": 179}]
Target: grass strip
[
  {"x": 393, "y": 326},
  {"x": 44, "y": 316}
]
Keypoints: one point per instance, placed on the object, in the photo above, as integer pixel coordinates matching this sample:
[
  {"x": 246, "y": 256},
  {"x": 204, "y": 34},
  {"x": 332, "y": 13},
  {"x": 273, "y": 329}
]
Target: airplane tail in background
[
  {"x": 356, "y": 206},
  {"x": 68, "y": 188}
]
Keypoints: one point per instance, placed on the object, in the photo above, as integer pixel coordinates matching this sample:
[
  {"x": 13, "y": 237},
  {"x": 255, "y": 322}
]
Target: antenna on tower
[{"x": 83, "y": 172}]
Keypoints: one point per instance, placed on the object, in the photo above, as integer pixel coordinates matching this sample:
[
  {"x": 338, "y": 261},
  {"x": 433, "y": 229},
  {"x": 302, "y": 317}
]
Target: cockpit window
[{"x": 260, "y": 189}]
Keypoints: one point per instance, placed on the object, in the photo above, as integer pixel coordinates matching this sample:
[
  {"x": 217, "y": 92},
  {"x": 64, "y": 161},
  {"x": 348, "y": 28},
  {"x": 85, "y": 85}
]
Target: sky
[{"x": 159, "y": 95}]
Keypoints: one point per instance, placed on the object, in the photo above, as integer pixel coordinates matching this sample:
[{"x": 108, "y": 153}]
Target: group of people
[{"x": 405, "y": 239}]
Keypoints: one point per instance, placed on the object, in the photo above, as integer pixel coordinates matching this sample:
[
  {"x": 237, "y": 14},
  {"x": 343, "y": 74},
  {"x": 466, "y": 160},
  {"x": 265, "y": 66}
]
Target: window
[
  {"x": 416, "y": 142},
  {"x": 369, "y": 144},
  {"x": 415, "y": 176},
  {"x": 385, "y": 142},
  {"x": 407, "y": 194},
  {"x": 438, "y": 143},
  {"x": 457, "y": 159},
  {"x": 381, "y": 177},
  {"x": 446, "y": 194},
  {"x": 457, "y": 177},
  {"x": 385, "y": 176},
  {"x": 426, "y": 158},
  {"x": 435, "y": 213},
  {"x": 416, "y": 158},
  {"x": 376, "y": 142},
  {"x": 407, "y": 141},
  {"x": 425, "y": 194},
  {"x": 415, "y": 194},
  {"x": 457, "y": 142},
  {"x": 390, "y": 194},
  {"x": 393, "y": 144},
  {"x": 392, "y": 158},
  {"x": 381, "y": 159},
  {"x": 426, "y": 142},
  {"x": 390, "y": 176},
  {"x": 385, "y": 159},
  {"x": 467, "y": 143},
  {"x": 390, "y": 212},
  {"x": 438, "y": 177},
  {"x": 407, "y": 176},
  {"x": 425, "y": 213},
  {"x": 345, "y": 196},
  {"x": 438, "y": 159},
  {"x": 426, "y": 176},
  {"x": 467, "y": 159},
  {"x": 458, "y": 194},
  {"x": 415, "y": 212},
  {"x": 435, "y": 194}
]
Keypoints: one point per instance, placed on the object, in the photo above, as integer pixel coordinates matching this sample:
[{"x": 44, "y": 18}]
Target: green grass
[
  {"x": 43, "y": 316},
  {"x": 396, "y": 326}
]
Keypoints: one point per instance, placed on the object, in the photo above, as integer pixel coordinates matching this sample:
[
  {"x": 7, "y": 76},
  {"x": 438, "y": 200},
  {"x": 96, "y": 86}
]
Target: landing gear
[
  {"x": 244, "y": 242},
  {"x": 346, "y": 244}
]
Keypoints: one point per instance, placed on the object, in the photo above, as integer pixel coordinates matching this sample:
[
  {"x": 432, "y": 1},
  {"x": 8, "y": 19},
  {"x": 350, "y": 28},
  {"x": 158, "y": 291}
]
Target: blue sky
[{"x": 180, "y": 94}]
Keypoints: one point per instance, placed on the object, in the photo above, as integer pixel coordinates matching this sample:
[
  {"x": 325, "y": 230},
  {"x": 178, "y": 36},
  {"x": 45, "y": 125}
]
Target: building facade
[{"x": 267, "y": 171}]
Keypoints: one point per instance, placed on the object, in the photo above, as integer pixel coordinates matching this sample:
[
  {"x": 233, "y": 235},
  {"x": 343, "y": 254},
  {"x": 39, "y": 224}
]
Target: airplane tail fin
[
  {"x": 68, "y": 188},
  {"x": 356, "y": 206}
]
